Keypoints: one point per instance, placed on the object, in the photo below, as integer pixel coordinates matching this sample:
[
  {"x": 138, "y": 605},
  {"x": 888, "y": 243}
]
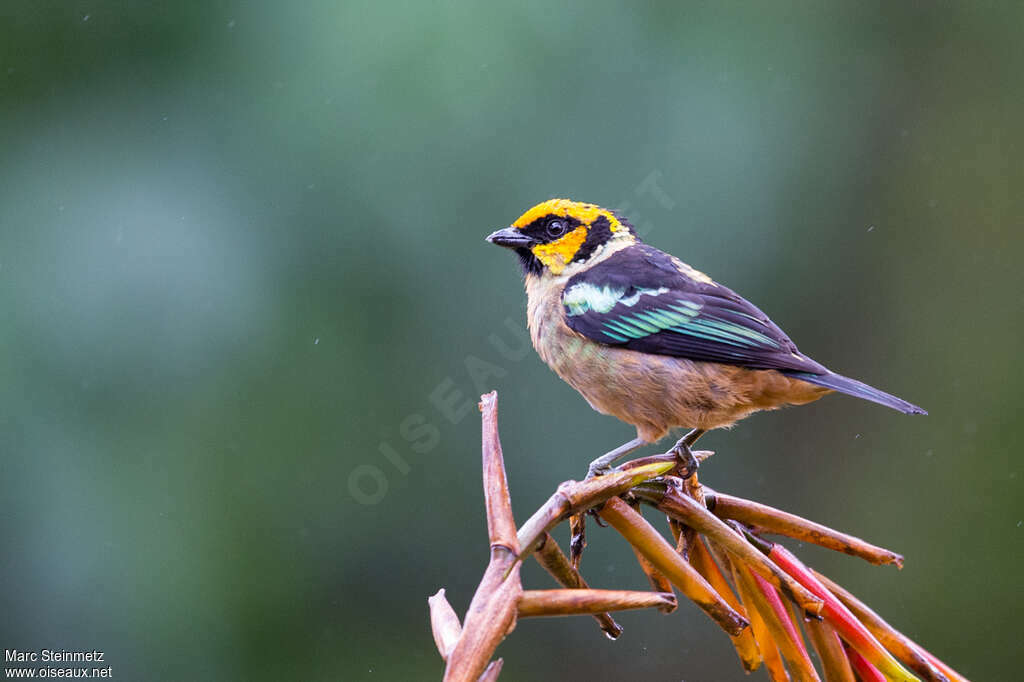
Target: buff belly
[{"x": 656, "y": 393}]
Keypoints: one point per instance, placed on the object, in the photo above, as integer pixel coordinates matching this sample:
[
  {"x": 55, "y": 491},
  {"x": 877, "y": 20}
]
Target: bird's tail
[{"x": 838, "y": 382}]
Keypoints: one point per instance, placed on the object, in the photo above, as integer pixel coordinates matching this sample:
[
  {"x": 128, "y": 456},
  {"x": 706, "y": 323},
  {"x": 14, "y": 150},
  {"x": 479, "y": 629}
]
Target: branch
[
  {"x": 588, "y": 602},
  {"x": 668, "y": 499},
  {"x": 550, "y": 556},
  {"x": 717, "y": 539},
  {"x": 771, "y": 520},
  {"x": 492, "y": 613},
  {"x": 652, "y": 545},
  {"x": 444, "y": 623},
  {"x": 905, "y": 649},
  {"x": 578, "y": 496}
]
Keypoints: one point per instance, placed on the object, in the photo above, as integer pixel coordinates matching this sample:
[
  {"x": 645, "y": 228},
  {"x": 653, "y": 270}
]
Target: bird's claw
[{"x": 688, "y": 463}]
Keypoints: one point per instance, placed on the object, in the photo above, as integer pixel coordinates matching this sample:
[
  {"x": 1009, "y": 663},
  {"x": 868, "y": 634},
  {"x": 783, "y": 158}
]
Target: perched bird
[{"x": 648, "y": 339}]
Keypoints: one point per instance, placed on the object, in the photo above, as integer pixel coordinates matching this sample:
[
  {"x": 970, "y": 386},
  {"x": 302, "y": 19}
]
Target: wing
[{"x": 643, "y": 299}]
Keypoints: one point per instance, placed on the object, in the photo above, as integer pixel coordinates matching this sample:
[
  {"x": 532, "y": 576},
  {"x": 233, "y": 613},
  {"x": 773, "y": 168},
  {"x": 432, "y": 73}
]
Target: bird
[{"x": 646, "y": 338}]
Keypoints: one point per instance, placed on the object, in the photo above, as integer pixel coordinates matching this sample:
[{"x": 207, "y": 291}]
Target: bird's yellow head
[{"x": 559, "y": 233}]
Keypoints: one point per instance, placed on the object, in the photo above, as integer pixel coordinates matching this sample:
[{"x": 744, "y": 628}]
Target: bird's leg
[
  {"x": 682, "y": 450},
  {"x": 603, "y": 464}
]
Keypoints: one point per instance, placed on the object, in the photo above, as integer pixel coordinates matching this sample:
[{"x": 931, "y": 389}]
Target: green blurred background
[{"x": 241, "y": 248}]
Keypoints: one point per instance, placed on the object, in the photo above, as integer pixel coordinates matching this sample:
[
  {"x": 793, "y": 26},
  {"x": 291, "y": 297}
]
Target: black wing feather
[{"x": 650, "y": 302}]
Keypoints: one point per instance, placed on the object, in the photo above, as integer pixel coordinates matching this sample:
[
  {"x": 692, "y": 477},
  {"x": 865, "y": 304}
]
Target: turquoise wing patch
[{"x": 639, "y": 299}]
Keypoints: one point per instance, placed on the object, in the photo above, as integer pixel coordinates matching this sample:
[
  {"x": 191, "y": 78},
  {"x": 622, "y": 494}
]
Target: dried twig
[
  {"x": 492, "y": 671},
  {"x": 669, "y": 500},
  {"x": 746, "y": 647},
  {"x": 652, "y": 545},
  {"x": 444, "y": 623},
  {"x": 761, "y": 595},
  {"x": 577, "y": 538},
  {"x": 550, "y": 556},
  {"x": 658, "y": 581},
  {"x": 492, "y": 612},
  {"x": 905, "y": 649},
  {"x": 771, "y": 520},
  {"x": 578, "y": 496},
  {"x": 711, "y": 547},
  {"x": 834, "y": 662},
  {"x": 585, "y": 602},
  {"x": 758, "y": 627},
  {"x": 850, "y": 629}
]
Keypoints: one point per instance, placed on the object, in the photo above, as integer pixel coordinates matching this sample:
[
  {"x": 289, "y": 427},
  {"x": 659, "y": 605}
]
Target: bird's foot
[
  {"x": 597, "y": 469},
  {"x": 688, "y": 462},
  {"x": 594, "y": 513},
  {"x": 603, "y": 464}
]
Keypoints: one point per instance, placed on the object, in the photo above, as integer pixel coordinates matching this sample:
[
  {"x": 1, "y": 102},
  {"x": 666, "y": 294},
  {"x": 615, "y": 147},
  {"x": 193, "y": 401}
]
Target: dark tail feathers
[{"x": 838, "y": 382}]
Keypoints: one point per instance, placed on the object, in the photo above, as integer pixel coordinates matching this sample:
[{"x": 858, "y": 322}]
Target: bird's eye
[{"x": 556, "y": 228}]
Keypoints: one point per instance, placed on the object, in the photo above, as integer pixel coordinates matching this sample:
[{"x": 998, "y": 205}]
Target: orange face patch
[
  {"x": 556, "y": 255},
  {"x": 567, "y": 208}
]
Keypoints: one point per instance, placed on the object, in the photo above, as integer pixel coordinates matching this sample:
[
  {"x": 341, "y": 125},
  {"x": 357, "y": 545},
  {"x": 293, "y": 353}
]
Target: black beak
[{"x": 510, "y": 237}]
